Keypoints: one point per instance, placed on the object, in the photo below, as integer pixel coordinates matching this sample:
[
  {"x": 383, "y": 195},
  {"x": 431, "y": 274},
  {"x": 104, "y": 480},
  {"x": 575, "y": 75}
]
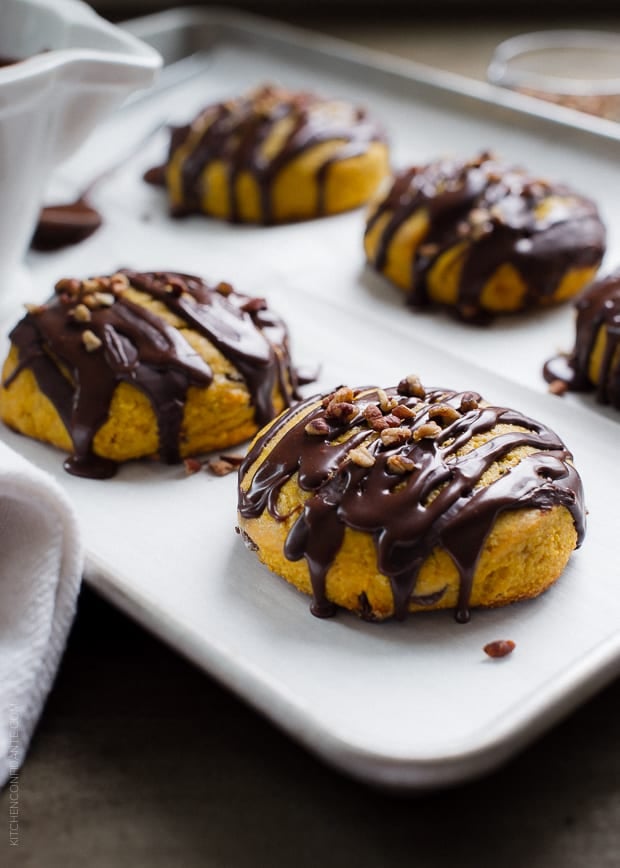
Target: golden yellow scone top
[
  {"x": 594, "y": 364},
  {"x": 396, "y": 500},
  {"x": 273, "y": 156},
  {"x": 481, "y": 238},
  {"x": 144, "y": 364}
]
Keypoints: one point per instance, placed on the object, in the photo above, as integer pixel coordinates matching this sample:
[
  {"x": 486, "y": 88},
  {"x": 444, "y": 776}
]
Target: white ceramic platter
[{"x": 414, "y": 704}]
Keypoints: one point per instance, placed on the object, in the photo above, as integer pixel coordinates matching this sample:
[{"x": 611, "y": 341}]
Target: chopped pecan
[
  {"x": 372, "y": 413},
  {"x": 386, "y": 403},
  {"x": 340, "y": 411},
  {"x": 92, "y": 284},
  {"x": 498, "y": 215},
  {"x": 535, "y": 189},
  {"x": 469, "y": 402},
  {"x": 341, "y": 394},
  {"x": 392, "y": 421},
  {"x": 35, "y": 309},
  {"x": 80, "y": 313},
  {"x": 361, "y": 456},
  {"x": 192, "y": 465},
  {"x": 105, "y": 299},
  {"x": 395, "y": 436},
  {"x": 380, "y": 423},
  {"x": 403, "y": 412},
  {"x": 220, "y": 467},
  {"x": 499, "y": 648},
  {"x": 479, "y": 230},
  {"x": 376, "y": 419},
  {"x": 91, "y": 341},
  {"x": 478, "y": 216},
  {"x": 443, "y": 414},
  {"x": 179, "y": 286},
  {"x": 119, "y": 281},
  {"x": 426, "y": 431},
  {"x": 400, "y": 464},
  {"x": 411, "y": 387},
  {"x": 317, "y": 427},
  {"x": 235, "y": 460},
  {"x": 69, "y": 285},
  {"x": 558, "y": 387}
]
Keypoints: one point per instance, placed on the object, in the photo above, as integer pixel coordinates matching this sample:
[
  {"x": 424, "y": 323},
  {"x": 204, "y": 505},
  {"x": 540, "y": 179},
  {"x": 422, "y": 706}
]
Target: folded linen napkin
[{"x": 40, "y": 570}]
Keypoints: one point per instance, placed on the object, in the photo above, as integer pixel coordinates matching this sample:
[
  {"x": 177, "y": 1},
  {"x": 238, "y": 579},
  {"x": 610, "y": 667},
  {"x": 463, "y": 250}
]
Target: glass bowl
[{"x": 579, "y": 69}]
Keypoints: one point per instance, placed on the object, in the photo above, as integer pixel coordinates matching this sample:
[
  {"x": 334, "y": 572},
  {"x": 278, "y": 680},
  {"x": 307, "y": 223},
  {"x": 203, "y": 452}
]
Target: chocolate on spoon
[
  {"x": 62, "y": 225},
  {"x": 70, "y": 223}
]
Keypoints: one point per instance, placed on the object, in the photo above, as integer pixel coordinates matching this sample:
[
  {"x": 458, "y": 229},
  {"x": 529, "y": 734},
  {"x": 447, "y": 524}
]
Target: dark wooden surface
[{"x": 141, "y": 760}]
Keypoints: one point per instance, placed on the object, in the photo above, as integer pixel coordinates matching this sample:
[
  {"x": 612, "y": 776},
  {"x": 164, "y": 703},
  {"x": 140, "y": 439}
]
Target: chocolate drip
[
  {"x": 497, "y": 212},
  {"x": 597, "y": 309},
  {"x": 102, "y": 338},
  {"x": 439, "y": 503},
  {"x": 156, "y": 176},
  {"x": 234, "y": 133}
]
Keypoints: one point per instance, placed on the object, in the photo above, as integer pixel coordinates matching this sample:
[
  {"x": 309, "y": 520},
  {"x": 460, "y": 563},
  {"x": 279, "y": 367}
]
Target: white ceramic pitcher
[{"x": 74, "y": 68}]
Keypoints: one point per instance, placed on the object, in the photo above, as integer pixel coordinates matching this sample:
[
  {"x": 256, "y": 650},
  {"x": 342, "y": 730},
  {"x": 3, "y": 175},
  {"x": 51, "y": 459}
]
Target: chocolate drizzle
[
  {"x": 437, "y": 501},
  {"x": 234, "y": 132},
  {"x": 97, "y": 334},
  {"x": 502, "y": 215},
  {"x": 597, "y": 309}
]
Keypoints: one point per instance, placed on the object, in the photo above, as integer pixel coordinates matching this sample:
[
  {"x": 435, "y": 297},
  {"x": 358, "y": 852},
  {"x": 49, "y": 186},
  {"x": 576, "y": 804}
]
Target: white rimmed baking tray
[{"x": 414, "y": 704}]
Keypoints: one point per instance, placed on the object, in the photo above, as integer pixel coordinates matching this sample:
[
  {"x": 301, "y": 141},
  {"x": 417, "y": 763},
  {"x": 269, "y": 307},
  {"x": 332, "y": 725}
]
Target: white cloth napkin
[{"x": 41, "y": 565}]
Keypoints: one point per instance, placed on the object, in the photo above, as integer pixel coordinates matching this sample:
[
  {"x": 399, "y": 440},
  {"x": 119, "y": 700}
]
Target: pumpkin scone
[
  {"x": 388, "y": 501},
  {"x": 274, "y": 156},
  {"x": 480, "y": 238},
  {"x": 144, "y": 364},
  {"x": 594, "y": 364}
]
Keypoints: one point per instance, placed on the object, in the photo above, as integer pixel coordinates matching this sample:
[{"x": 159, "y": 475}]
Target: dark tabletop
[{"x": 142, "y": 760}]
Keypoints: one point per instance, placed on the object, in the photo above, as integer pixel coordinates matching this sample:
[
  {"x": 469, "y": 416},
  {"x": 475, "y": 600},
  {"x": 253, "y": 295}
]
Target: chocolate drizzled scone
[
  {"x": 273, "y": 156},
  {"x": 594, "y": 364},
  {"x": 481, "y": 238},
  {"x": 396, "y": 500},
  {"x": 144, "y": 364}
]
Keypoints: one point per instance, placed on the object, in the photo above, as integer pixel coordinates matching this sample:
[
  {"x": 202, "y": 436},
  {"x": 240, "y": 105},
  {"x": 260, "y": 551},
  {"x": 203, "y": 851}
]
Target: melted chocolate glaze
[
  {"x": 63, "y": 225},
  {"x": 397, "y": 509},
  {"x": 494, "y": 210},
  {"x": 134, "y": 345},
  {"x": 598, "y": 308},
  {"x": 235, "y": 131}
]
